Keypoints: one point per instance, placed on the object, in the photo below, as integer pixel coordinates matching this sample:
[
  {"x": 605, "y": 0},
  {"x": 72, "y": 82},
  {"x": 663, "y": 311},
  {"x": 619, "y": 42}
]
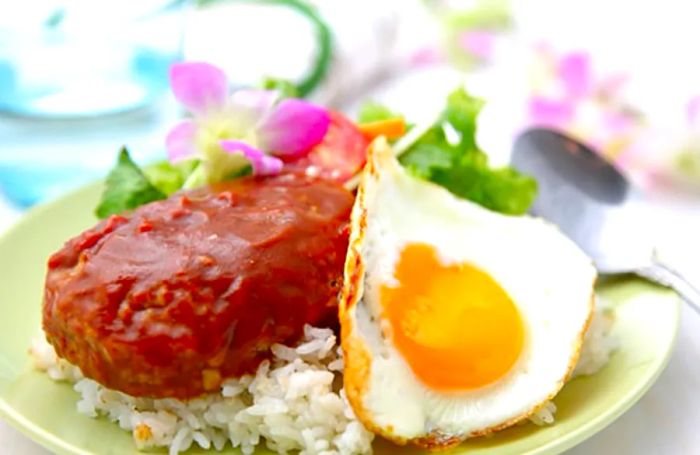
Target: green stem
[{"x": 324, "y": 38}]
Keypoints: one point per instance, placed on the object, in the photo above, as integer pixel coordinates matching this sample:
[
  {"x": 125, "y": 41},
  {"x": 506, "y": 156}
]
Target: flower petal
[
  {"x": 616, "y": 123},
  {"x": 692, "y": 112},
  {"x": 550, "y": 113},
  {"x": 575, "y": 73},
  {"x": 180, "y": 141},
  {"x": 479, "y": 43},
  {"x": 201, "y": 87},
  {"x": 293, "y": 128},
  {"x": 611, "y": 85},
  {"x": 247, "y": 108},
  {"x": 262, "y": 164},
  {"x": 426, "y": 56}
]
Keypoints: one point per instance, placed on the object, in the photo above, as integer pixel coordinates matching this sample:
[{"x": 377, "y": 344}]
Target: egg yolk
[{"x": 454, "y": 325}]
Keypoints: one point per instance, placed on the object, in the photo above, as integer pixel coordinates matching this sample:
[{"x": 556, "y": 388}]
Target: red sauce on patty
[{"x": 182, "y": 293}]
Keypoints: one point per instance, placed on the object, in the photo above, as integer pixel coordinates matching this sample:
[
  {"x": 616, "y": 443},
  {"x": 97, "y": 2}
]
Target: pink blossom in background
[
  {"x": 576, "y": 100},
  {"x": 550, "y": 113},
  {"x": 479, "y": 43},
  {"x": 692, "y": 110},
  {"x": 426, "y": 56},
  {"x": 574, "y": 72}
]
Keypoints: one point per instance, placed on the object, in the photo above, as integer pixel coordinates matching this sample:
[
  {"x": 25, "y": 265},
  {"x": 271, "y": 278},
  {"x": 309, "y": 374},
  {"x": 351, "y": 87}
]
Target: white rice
[
  {"x": 295, "y": 401},
  {"x": 598, "y": 346}
]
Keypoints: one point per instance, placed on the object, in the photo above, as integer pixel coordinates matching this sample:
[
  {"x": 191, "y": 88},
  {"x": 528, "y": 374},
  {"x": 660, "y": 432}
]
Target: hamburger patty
[{"x": 180, "y": 294}]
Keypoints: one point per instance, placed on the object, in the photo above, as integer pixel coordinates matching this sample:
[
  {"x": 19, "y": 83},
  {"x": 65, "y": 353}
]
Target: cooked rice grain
[
  {"x": 293, "y": 403},
  {"x": 598, "y": 346}
]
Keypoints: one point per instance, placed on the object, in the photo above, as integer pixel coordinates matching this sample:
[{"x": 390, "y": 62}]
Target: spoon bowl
[{"x": 594, "y": 204}]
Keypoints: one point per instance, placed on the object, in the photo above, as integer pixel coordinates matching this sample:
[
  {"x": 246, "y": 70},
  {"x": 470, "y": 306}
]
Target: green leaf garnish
[
  {"x": 372, "y": 111},
  {"x": 286, "y": 88},
  {"x": 461, "y": 113},
  {"x": 461, "y": 167},
  {"x": 126, "y": 188},
  {"x": 167, "y": 177}
]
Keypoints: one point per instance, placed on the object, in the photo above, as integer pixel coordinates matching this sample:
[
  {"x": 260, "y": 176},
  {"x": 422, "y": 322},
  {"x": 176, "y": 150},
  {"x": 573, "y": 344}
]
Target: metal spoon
[{"x": 591, "y": 201}]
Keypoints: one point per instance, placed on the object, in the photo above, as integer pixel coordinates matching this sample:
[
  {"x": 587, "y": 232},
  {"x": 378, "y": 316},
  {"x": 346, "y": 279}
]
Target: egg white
[{"x": 548, "y": 278}]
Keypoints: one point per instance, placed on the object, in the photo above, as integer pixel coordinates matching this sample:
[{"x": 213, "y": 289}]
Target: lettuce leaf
[
  {"x": 372, "y": 111},
  {"x": 460, "y": 166},
  {"x": 169, "y": 178},
  {"x": 126, "y": 188}
]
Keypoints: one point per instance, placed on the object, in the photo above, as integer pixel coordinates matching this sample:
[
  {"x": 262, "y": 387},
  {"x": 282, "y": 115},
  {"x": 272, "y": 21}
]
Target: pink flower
[
  {"x": 570, "y": 82},
  {"x": 574, "y": 71},
  {"x": 250, "y": 127},
  {"x": 692, "y": 113},
  {"x": 479, "y": 43},
  {"x": 550, "y": 113},
  {"x": 571, "y": 97}
]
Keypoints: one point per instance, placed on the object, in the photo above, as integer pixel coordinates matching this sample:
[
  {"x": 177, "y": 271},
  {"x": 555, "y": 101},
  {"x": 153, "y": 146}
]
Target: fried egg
[{"x": 456, "y": 321}]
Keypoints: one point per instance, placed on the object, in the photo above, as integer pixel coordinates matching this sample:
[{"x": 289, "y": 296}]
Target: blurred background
[{"x": 81, "y": 78}]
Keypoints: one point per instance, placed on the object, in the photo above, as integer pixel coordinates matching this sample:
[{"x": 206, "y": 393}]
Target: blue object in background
[
  {"x": 78, "y": 80},
  {"x": 74, "y": 58},
  {"x": 40, "y": 160},
  {"x": 25, "y": 185}
]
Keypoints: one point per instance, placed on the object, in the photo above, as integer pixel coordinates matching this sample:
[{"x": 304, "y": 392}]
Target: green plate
[{"x": 646, "y": 326}]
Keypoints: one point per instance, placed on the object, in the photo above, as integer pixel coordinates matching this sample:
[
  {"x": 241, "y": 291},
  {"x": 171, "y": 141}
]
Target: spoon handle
[{"x": 665, "y": 275}]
